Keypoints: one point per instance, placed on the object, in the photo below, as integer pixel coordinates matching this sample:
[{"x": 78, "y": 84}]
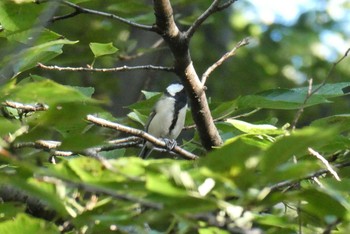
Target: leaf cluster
[{"x": 264, "y": 178}]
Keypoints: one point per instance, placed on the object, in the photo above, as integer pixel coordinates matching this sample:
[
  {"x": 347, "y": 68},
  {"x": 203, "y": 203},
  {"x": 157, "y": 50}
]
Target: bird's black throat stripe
[{"x": 179, "y": 104}]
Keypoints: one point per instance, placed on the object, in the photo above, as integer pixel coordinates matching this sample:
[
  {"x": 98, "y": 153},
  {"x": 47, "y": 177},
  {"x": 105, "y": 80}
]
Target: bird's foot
[{"x": 170, "y": 143}]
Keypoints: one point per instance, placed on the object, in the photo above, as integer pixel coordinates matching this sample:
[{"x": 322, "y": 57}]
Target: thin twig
[
  {"x": 214, "y": 7},
  {"x": 115, "y": 69},
  {"x": 226, "y": 4},
  {"x": 318, "y": 173},
  {"x": 229, "y": 54},
  {"x": 309, "y": 94},
  {"x": 82, "y": 10},
  {"x": 137, "y": 132},
  {"x": 325, "y": 162},
  {"x": 67, "y": 16},
  {"x": 156, "y": 45}
]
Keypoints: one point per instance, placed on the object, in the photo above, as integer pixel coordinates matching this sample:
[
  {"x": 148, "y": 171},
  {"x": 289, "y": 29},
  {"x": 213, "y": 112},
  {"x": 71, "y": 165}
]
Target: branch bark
[
  {"x": 178, "y": 43},
  {"x": 137, "y": 132},
  {"x": 83, "y": 10},
  {"x": 114, "y": 69}
]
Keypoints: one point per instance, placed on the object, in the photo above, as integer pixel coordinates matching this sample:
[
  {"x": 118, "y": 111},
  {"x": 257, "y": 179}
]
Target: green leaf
[
  {"x": 224, "y": 109},
  {"x": 256, "y": 128},
  {"x": 29, "y": 57},
  {"x": 9, "y": 210},
  {"x": 100, "y": 49},
  {"x": 87, "y": 91},
  {"x": 68, "y": 118},
  {"x": 236, "y": 159},
  {"x": 145, "y": 106},
  {"x": 276, "y": 221},
  {"x": 331, "y": 206},
  {"x": 289, "y": 99},
  {"x": 129, "y": 7},
  {"x": 44, "y": 91},
  {"x": 340, "y": 121},
  {"x": 23, "y": 223},
  {"x": 149, "y": 95},
  {"x": 14, "y": 17},
  {"x": 26, "y": 36},
  {"x": 212, "y": 230},
  {"x": 79, "y": 142},
  {"x": 285, "y": 99},
  {"x": 295, "y": 144},
  {"x": 138, "y": 117},
  {"x": 158, "y": 183},
  {"x": 7, "y": 126}
]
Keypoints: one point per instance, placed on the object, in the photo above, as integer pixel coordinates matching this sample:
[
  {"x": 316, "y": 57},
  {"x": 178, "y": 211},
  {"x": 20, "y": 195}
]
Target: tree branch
[
  {"x": 179, "y": 45},
  {"x": 115, "y": 69},
  {"x": 136, "y": 132},
  {"x": 67, "y": 16},
  {"x": 82, "y": 10},
  {"x": 229, "y": 54},
  {"x": 312, "y": 92},
  {"x": 25, "y": 107},
  {"x": 288, "y": 183},
  {"x": 214, "y": 7},
  {"x": 325, "y": 162}
]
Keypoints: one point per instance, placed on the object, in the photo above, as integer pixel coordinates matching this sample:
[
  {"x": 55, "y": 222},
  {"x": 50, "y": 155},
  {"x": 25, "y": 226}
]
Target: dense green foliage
[{"x": 267, "y": 177}]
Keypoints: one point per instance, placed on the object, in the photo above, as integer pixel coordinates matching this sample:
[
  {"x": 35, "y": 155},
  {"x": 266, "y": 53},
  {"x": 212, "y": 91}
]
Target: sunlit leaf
[
  {"x": 255, "y": 128},
  {"x": 23, "y": 223},
  {"x": 293, "y": 98},
  {"x": 100, "y": 49}
]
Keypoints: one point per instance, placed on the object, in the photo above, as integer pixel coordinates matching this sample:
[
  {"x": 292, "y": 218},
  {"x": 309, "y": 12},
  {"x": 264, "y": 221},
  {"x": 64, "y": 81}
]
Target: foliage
[{"x": 264, "y": 178}]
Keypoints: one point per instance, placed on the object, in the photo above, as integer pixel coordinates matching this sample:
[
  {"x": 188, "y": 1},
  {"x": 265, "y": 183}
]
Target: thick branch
[
  {"x": 179, "y": 45},
  {"x": 115, "y": 69},
  {"x": 136, "y": 132}
]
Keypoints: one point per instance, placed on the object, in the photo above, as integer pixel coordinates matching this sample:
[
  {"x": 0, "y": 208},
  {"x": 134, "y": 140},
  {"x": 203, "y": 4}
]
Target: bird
[{"x": 167, "y": 118}]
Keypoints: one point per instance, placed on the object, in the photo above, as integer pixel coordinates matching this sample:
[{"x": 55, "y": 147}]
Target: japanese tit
[{"x": 168, "y": 116}]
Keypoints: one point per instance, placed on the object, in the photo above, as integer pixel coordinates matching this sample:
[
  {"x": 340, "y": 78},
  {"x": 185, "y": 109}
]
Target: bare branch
[
  {"x": 214, "y": 7},
  {"x": 211, "y": 9},
  {"x": 229, "y": 54},
  {"x": 115, "y": 69},
  {"x": 67, "y": 16},
  {"x": 321, "y": 172},
  {"x": 226, "y": 4},
  {"x": 309, "y": 94},
  {"x": 325, "y": 162},
  {"x": 155, "y": 45},
  {"x": 136, "y": 132},
  {"x": 82, "y": 10},
  {"x": 26, "y": 107}
]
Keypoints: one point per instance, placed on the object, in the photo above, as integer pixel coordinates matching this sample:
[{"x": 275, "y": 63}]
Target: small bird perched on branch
[{"x": 167, "y": 118}]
